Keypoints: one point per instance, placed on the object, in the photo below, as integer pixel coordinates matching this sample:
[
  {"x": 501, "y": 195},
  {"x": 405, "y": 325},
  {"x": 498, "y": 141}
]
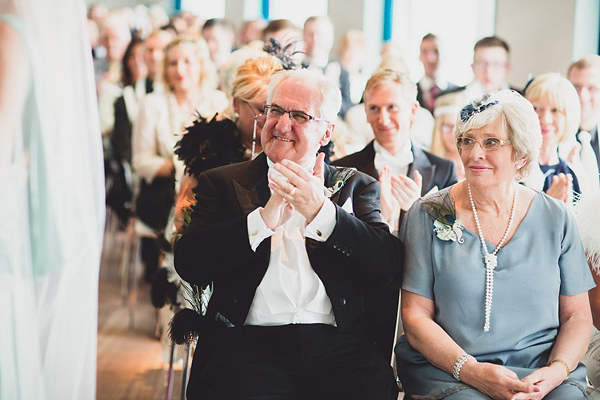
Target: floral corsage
[
  {"x": 337, "y": 180},
  {"x": 445, "y": 224}
]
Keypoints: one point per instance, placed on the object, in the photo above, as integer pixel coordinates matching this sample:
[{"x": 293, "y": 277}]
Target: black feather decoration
[
  {"x": 210, "y": 144},
  {"x": 185, "y": 326}
]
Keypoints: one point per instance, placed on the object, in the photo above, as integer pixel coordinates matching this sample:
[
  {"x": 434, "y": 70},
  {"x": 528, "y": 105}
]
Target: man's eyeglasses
[
  {"x": 486, "y": 64},
  {"x": 298, "y": 117},
  {"x": 488, "y": 144}
]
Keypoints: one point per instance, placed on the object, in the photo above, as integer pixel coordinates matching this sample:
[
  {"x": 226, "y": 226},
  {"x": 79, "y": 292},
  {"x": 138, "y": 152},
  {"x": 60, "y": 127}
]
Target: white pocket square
[{"x": 348, "y": 206}]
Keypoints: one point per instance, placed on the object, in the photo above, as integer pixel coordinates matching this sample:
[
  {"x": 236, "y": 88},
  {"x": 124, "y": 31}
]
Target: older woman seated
[
  {"x": 562, "y": 174},
  {"x": 494, "y": 297}
]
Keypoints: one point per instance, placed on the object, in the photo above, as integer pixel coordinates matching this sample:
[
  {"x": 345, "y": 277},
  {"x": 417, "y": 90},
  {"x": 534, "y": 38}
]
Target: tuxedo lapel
[
  {"x": 368, "y": 158},
  {"x": 251, "y": 189},
  {"x": 426, "y": 169}
]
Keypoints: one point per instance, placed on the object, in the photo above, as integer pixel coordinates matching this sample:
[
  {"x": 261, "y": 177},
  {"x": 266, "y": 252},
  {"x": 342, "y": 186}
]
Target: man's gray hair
[{"x": 328, "y": 92}]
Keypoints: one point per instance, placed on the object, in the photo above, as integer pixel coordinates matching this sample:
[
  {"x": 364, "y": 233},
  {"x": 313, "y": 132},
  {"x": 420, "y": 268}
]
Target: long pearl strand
[{"x": 491, "y": 260}]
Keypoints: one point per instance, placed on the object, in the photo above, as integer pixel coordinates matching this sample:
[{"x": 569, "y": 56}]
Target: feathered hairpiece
[
  {"x": 476, "y": 106},
  {"x": 284, "y": 53}
]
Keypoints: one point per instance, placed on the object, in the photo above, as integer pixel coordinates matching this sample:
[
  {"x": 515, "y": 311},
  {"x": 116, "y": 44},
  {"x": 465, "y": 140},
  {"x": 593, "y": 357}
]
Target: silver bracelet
[{"x": 459, "y": 364}]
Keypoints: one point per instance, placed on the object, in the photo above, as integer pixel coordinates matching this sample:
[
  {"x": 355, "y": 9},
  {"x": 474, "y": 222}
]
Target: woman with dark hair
[
  {"x": 134, "y": 72},
  {"x": 189, "y": 91}
]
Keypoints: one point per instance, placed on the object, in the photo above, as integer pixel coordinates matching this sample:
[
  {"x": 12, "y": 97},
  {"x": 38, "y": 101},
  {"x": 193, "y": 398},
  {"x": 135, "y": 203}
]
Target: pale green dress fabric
[
  {"x": 51, "y": 211},
  {"x": 543, "y": 260}
]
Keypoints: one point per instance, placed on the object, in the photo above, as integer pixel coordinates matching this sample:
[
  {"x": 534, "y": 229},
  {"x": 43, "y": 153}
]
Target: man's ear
[{"x": 327, "y": 135}]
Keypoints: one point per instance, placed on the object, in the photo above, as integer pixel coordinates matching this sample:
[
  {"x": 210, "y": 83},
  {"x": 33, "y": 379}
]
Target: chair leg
[
  {"x": 137, "y": 266},
  {"x": 171, "y": 372},
  {"x": 185, "y": 373},
  {"x": 127, "y": 259}
]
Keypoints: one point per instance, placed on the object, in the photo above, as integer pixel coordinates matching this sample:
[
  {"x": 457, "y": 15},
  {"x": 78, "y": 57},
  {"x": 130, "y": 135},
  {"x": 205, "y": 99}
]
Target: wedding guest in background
[
  {"x": 443, "y": 144},
  {"x": 154, "y": 55},
  {"x": 432, "y": 83},
  {"x": 352, "y": 52},
  {"x": 494, "y": 295},
  {"x": 420, "y": 130},
  {"x": 405, "y": 173},
  {"x": 250, "y": 31},
  {"x": 491, "y": 66},
  {"x": 115, "y": 36},
  {"x": 304, "y": 339},
  {"x": 134, "y": 70},
  {"x": 213, "y": 143},
  {"x": 189, "y": 92},
  {"x": 584, "y": 74},
  {"x": 562, "y": 175},
  {"x": 284, "y": 31},
  {"x": 220, "y": 37},
  {"x": 391, "y": 105},
  {"x": 318, "y": 37}
]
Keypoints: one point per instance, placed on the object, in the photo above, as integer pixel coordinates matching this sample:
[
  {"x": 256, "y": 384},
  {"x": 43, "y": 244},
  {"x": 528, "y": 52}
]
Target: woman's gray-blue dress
[{"x": 543, "y": 260}]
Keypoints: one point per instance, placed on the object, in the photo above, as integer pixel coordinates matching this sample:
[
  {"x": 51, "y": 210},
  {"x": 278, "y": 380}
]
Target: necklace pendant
[{"x": 491, "y": 261}]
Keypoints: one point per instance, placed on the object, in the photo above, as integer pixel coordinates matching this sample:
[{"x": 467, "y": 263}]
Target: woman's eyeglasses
[{"x": 488, "y": 144}]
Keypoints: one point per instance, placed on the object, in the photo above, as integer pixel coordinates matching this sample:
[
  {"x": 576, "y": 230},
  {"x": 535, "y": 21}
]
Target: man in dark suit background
[
  {"x": 390, "y": 103},
  {"x": 318, "y": 37},
  {"x": 431, "y": 84},
  {"x": 584, "y": 74},
  {"x": 288, "y": 263},
  {"x": 491, "y": 66}
]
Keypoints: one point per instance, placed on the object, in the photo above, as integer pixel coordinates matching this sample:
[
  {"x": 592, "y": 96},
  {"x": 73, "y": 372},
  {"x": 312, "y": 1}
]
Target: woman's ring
[{"x": 292, "y": 191}]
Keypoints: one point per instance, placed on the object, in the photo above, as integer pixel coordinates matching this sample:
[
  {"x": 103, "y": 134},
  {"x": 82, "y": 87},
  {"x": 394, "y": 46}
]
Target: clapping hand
[
  {"x": 390, "y": 208},
  {"x": 299, "y": 188},
  {"x": 405, "y": 190},
  {"x": 561, "y": 187}
]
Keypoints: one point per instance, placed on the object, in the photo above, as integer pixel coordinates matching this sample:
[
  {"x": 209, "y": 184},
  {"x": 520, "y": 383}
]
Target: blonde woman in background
[
  {"x": 562, "y": 174},
  {"x": 190, "y": 89},
  {"x": 443, "y": 144},
  {"x": 210, "y": 144}
]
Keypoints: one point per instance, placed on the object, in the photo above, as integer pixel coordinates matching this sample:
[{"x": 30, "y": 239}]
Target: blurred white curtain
[{"x": 51, "y": 202}]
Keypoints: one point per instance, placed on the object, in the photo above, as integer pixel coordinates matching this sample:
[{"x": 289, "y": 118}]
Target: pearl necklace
[{"x": 491, "y": 260}]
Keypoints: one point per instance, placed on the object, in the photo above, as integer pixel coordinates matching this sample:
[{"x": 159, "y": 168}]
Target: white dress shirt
[
  {"x": 398, "y": 162},
  {"x": 291, "y": 292}
]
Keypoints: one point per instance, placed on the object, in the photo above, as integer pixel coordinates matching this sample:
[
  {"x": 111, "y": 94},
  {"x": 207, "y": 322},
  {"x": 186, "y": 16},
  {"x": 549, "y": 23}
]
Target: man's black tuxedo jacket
[{"x": 215, "y": 248}]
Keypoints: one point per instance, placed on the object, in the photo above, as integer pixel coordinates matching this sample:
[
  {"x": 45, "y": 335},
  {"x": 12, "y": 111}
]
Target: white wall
[{"x": 546, "y": 35}]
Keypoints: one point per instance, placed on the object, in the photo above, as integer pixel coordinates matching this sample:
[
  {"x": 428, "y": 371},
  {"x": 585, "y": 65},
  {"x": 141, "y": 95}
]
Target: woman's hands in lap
[
  {"x": 498, "y": 382},
  {"x": 545, "y": 379}
]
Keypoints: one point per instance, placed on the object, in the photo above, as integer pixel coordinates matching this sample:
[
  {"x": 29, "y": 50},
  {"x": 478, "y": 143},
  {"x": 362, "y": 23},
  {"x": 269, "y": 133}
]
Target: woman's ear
[
  {"x": 521, "y": 163},
  {"x": 236, "y": 105}
]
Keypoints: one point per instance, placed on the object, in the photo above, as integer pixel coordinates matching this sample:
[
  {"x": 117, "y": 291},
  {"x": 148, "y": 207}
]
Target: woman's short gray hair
[
  {"x": 518, "y": 117},
  {"x": 330, "y": 95}
]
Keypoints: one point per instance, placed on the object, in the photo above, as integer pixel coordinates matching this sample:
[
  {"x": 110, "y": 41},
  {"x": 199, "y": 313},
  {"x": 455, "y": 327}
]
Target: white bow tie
[{"x": 396, "y": 162}]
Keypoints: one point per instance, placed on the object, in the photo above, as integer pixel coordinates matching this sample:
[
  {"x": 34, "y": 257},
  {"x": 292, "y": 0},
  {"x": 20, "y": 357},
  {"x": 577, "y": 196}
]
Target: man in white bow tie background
[
  {"x": 289, "y": 245},
  {"x": 584, "y": 74},
  {"x": 405, "y": 173}
]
